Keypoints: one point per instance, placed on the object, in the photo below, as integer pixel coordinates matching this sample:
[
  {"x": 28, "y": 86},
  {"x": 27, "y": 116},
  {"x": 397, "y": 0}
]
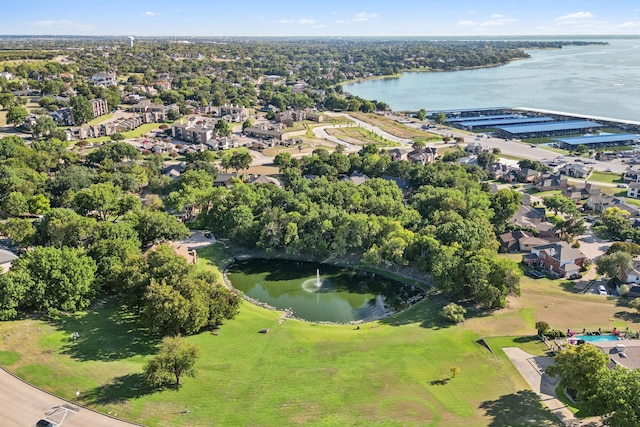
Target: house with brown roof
[
  {"x": 557, "y": 258},
  {"x": 632, "y": 274},
  {"x": 519, "y": 241},
  {"x": 423, "y": 155}
]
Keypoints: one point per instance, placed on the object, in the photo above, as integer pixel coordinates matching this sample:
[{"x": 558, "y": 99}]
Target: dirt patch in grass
[{"x": 393, "y": 127}]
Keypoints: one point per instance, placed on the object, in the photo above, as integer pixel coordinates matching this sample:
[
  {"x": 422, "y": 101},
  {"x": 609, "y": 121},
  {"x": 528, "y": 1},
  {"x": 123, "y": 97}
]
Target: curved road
[{"x": 23, "y": 405}]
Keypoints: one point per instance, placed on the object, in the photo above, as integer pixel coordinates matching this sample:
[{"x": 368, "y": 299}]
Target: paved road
[{"x": 23, "y": 405}]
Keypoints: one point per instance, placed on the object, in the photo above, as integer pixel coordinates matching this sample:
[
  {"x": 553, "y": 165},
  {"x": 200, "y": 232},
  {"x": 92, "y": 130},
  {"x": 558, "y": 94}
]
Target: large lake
[{"x": 593, "y": 80}]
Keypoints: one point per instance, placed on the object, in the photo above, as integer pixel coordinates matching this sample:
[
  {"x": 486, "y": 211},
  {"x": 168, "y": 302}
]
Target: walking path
[
  {"x": 23, "y": 405},
  {"x": 532, "y": 370}
]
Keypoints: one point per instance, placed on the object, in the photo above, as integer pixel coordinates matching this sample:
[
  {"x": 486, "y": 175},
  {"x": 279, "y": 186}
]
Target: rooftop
[
  {"x": 597, "y": 139},
  {"x": 493, "y": 122},
  {"x": 550, "y": 127}
]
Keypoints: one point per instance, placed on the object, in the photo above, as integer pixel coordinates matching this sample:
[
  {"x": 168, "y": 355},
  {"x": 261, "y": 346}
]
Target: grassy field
[
  {"x": 393, "y": 372},
  {"x": 138, "y": 132},
  {"x": 359, "y": 136},
  {"x": 395, "y": 128},
  {"x": 100, "y": 119}
]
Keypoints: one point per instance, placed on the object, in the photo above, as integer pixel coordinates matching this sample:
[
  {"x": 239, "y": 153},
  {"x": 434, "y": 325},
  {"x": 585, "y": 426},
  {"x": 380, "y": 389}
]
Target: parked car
[
  {"x": 602, "y": 290},
  {"x": 45, "y": 423},
  {"x": 621, "y": 185},
  {"x": 575, "y": 276}
]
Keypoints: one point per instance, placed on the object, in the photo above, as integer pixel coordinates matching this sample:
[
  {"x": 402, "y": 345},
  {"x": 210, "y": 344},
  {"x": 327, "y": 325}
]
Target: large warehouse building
[{"x": 496, "y": 123}]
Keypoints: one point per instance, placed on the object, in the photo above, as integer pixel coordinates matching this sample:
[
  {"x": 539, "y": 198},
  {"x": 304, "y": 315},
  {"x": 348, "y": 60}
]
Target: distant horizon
[
  {"x": 331, "y": 18},
  {"x": 440, "y": 36}
]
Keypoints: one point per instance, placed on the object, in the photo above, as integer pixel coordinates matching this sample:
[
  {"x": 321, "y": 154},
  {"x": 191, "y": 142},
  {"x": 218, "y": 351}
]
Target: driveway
[
  {"x": 593, "y": 246},
  {"x": 23, "y": 405},
  {"x": 532, "y": 370}
]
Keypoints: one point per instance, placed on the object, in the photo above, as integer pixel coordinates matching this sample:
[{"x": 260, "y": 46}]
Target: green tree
[
  {"x": 222, "y": 128},
  {"x": 421, "y": 114},
  {"x": 617, "y": 397},
  {"x": 175, "y": 359},
  {"x": 612, "y": 265},
  {"x": 55, "y": 279},
  {"x": 16, "y": 115},
  {"x": 15, "y": 204},
  {"x": 581, "y": 149},
  {"x": 82, "y": 109},
  {"x": 579, "y": 366},
  {"x": 118, "y": 136},
  {"x": 558, "y": 203},
  {"x": 441, "y": 118},
  {"x": 542, "y": 327},
  {"x": 247, "y": 124},
  {"x": 45, "y": 126},
  {"x": 20, "y": 231},
  {"x": 504, "y": 203},
  {"x": 156, "y": 226},
  {"x": 635, "y": 304},
  {"x": 453, "y": 313}
]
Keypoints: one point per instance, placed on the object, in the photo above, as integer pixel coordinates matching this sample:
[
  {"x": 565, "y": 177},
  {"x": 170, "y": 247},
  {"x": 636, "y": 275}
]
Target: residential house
[
  {"x": 403, "y": 184},
  {"x": 576, "y": 170},
  {"x": 397, "y": 154},
  {"x": 174, "y": 171},
  {"x": 535, "y": 218},
  {"x": 557, "y": 258},
  {"x": 475, "y": 148},
  {"x": 104, "y": 79},
  {"x": 62, "y": 117},
  {"x": 356, "y": 178},
  {"x": 603, "y": 201},
  {"x": 631, "y": 175},
  {"x": 225, "y": 179},
  {"x": 196, "y": 134},
  {"x": 550, "y": 182},
  {"x": 632, "y": 274},
  {"x": 528, "y": 175},
  {"x": 580, "y": 191},
  {"x": 264, "y": 179},
  {"x": 633, "y": 190},
  {"x": 519, "y": 241},
  {"x": 6, "y": 259},
  {"x": 233, "y": 113},
  {"x": 423, "y": 155}
]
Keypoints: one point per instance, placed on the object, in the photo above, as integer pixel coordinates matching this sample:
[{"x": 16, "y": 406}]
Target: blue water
[
  {"x": 596, "y": 338},
  {"x": 593, "y": 80}
]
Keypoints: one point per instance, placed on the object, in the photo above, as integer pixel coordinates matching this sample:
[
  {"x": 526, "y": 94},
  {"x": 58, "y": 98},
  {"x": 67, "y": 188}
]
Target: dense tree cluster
[
  {"x": 91, "y": 233},
  {"x": 445, "y": 227}
]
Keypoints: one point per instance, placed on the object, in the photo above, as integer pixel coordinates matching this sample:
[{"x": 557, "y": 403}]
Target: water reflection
[{"x": 331, "y": 294}]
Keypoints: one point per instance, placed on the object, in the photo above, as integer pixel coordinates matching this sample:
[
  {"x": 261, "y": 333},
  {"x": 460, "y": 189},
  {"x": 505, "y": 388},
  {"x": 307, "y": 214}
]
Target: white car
[{"x": 602, "y": 290}]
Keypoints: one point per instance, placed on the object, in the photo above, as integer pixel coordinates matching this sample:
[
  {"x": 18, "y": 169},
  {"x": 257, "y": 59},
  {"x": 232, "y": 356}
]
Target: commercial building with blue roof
[
  {"x": 491, "y": 124},
  {"x": 599, "y": 141},
  {"x": 492, "y": 117},
  {"x": 549, "y": 129}
]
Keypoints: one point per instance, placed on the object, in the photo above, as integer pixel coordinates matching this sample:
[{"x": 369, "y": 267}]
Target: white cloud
[
  {"x": 630, "y": 24},
  {"x": 497, "y": 22},
  {"x": 466, "y": 23},
  {"x": 364, "y": 16},
  {"x": 497, "y": 16},
  {"x": 149, "y": 13},
  {"x": 359, "y": 17},
  {"x": 576, "y": 16},
  {"x": 306, "y": 21},
  {"x": 62, "y": 25}
]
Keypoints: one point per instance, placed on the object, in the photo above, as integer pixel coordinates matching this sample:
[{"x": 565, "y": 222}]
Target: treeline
[
  {"x": 445, "y": 226},
  {"x": 92, "y": 235}
]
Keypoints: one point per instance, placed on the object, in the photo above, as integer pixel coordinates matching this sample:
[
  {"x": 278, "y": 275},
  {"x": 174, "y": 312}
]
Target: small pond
[{"x": 321, "y": 293}]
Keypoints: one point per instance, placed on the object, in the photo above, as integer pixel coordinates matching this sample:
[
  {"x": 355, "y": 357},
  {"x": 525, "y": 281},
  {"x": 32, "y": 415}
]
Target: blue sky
[{"x": 321, "y": 17}]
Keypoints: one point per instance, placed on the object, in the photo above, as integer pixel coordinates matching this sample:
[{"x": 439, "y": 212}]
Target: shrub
[
  {"x": 635, "y": 303},
  {"x": 542, "y": 327},
  {"x": 624, "y": 290},
  {"x": 552, "y": 333},
  {"x": 453, "y": 313}
]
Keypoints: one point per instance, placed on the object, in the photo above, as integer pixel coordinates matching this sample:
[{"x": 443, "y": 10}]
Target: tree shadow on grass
[
  {"x": 627, "y": 316},
  {"x": 519, "y": 409},
  {"x": 109, "y": 332},
  {"x": 119, "y": 390},
  {"x": 444, "y": 381}
]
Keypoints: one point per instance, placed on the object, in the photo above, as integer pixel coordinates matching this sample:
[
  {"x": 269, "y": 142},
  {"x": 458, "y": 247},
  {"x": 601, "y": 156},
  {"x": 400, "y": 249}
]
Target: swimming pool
[{"x": 596, "y": 338}]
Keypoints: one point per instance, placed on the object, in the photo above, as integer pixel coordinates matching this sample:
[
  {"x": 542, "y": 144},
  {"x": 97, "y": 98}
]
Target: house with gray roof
[
  {"x": 6, "y": 259},
  {"x": 557, "y": 258}
]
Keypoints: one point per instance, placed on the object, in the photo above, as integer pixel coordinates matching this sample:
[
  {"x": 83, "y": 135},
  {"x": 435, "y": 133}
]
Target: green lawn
[
  {"x": 135, "y": 133},
  {"x": 100, "y": 119},
  {"x": 394, "y": 372},
  {"x": 607, "y": 177}
]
